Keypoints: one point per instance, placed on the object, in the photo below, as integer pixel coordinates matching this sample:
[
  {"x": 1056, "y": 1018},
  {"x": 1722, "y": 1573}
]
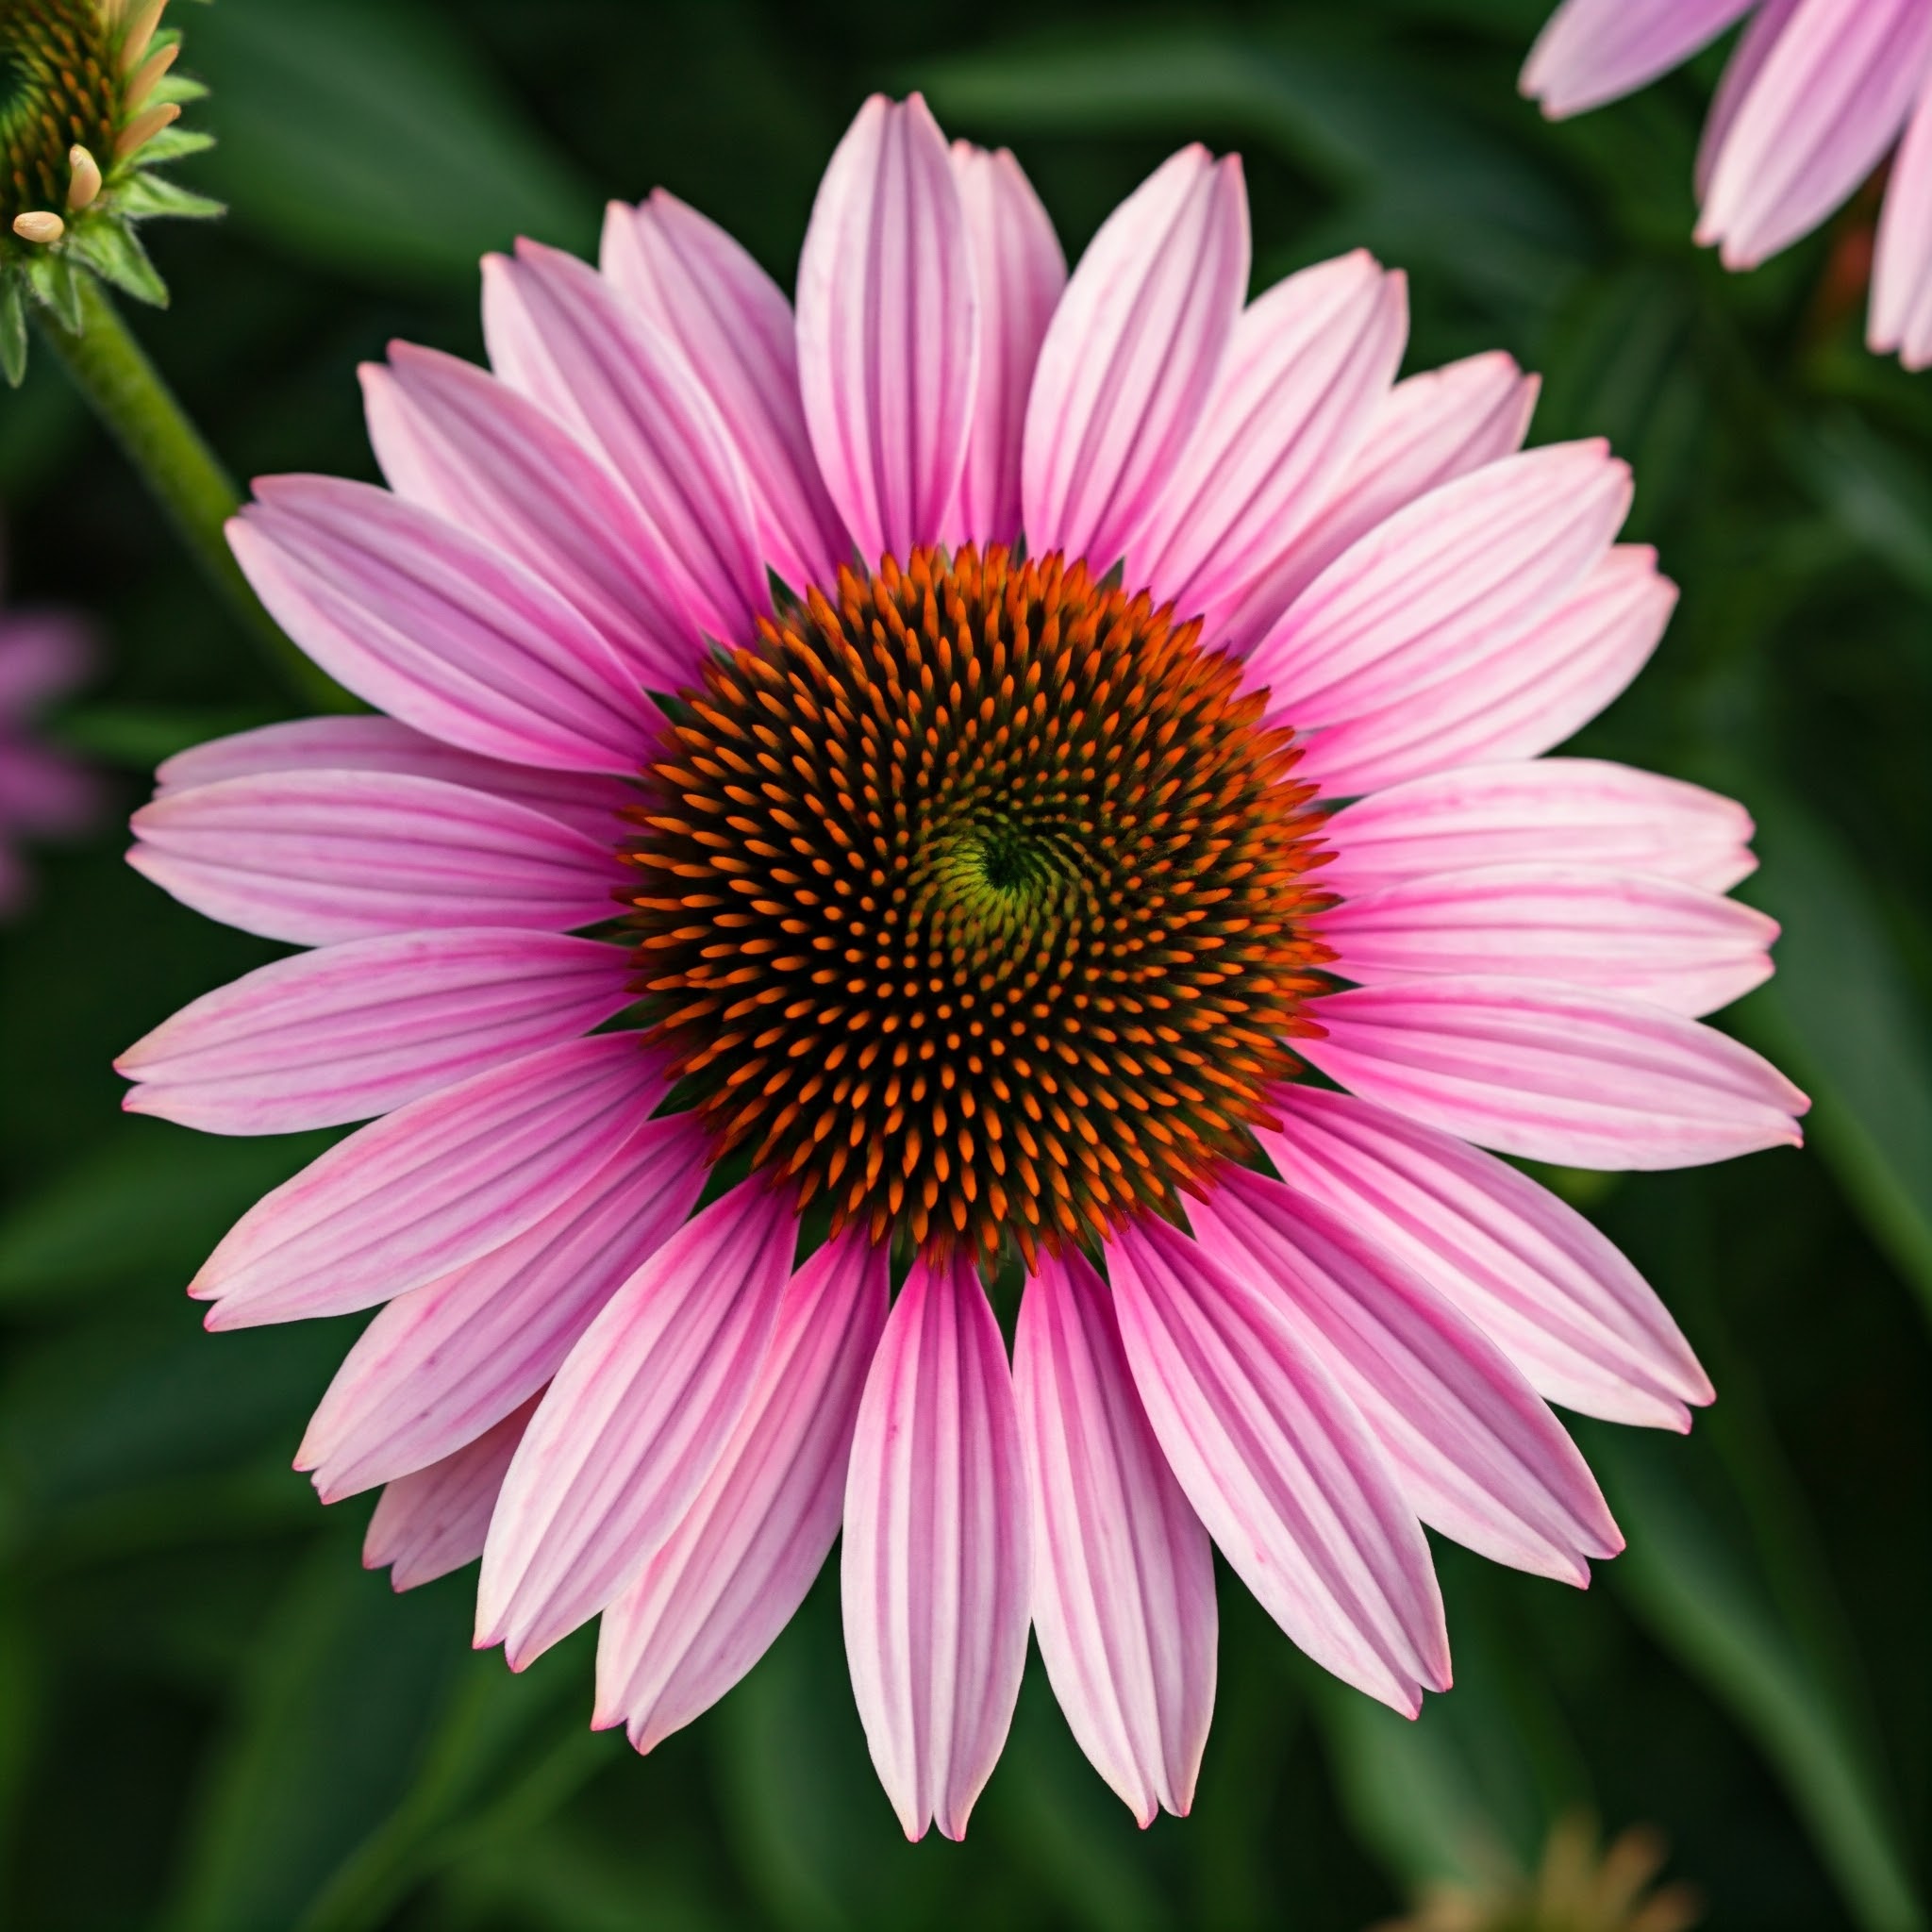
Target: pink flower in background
[
  {"x": 43, "y": 654},
  {"x": 987, "y": 915},
  {"x": 1816, "y": 94}
]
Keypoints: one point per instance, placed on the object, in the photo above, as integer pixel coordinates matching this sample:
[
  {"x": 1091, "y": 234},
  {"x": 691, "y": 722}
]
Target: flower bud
[{"x": 92, "y": 108}]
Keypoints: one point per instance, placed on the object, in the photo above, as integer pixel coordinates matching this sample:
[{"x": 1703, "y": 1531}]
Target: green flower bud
[{"x": 88, "y": 105}]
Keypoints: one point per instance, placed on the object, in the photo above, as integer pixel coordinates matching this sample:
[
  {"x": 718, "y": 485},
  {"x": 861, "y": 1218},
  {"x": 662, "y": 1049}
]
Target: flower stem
[{"x": 127, "y": 390}]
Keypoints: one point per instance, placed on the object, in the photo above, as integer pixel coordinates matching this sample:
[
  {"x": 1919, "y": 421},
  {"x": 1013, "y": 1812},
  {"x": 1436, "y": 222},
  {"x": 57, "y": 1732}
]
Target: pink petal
[
  {"x": 452, "y": 437},
  {"x": 1021, "y": 272},
  {"x": 442, "y": 631},
  {"x": 558, "y": 332},
  {"x": 1427, "y": 432},
  {"x": 1123, "y": 1571},
  {"x": 434, "y": 1520},
  {"x": 938, "y": 1551},
  {"x": 1556, "y": 1074},
  {"x": 1310, "y": 363},
  {"x": 1281, "y": 1467},
  {"x": 46, "y": 793},
  {"x": 317, "y": 856},
  {"x": 1902, "y": 276},
  {"x": 356, "y": 1030},
  {"x": 1762, "y": 32},
  {"x": 1525, "y": 694},
  {"x": 434, "y": 1185},
  {"x": 1828, "y": 101},
  {"x": 1585, "y": 1328},
  {"x": 702, "y": 290},
  {"x": 440, "y": 1364},
  {"x": 1132, "y": 356},
  {"x": 1676, "y": 946},
  {"x": 634, "y": 1421},
  {"x": 889, "y": 328},
  {"x": 589, "y": 801},
  {"x": 1593, "y": 50},
  {"x": 42, "y": 654},
  {"x": 1540, "y": 811},
  {"x": 1438, "y": 585},
  {"x": 1474, "y": 1452},
  {"x": 709, "y": 1603}
]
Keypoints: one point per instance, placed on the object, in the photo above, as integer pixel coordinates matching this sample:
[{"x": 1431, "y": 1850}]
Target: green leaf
[
  {"x": 1706, "y": 1602},
  {"x": 114, "y": 252},
  {"x": 335, "y": 1717},
  {"x": 1874, "y": 491},
  {"x": 1426, "y": 184},
  {"x": 151, "y": 1201},
  {"x": 50, "y": 274},
  {"x": 148, "y": 195},
  {"x": 366, "y": 135},
  {"x": 13, "y": 330},
  {"x": 1841, "y": 1017},
  {"x": 174, "y": 143}
]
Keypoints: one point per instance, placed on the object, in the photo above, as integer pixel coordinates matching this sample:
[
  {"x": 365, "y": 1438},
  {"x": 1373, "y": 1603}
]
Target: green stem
[{"x": 112, "y": 371}]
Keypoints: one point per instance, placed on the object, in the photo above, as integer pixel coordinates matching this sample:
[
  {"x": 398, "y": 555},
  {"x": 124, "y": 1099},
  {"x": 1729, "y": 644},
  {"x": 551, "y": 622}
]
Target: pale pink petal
[
  {"x": 1280, "y": 1466},
  {"x": 1593, "y": 50},
  {"x": 456, "y": 439},
  {"x": 432, "y": 1185},
  {"x": 1474, "y": 1449},
  {"x": 636, "y": 1417},
  {"x": 1123, "y": 1571},
  {"x": 1132, "y": 356},
  {"x": 1442, "y": 583},
  {"x": 711, "y": 1600},
  {"x": 701, "y": 290},
  {"x": 1525, "y": 694},
  {"x": 318, "y": 857},
  {"x": 1310, "y": 362},
  {"x": 1552, "y": 1072},
  {"x": 1427, "y": 432},
  {"x": 434, "y": 1520},
  {"x": 889, "y": 322},
  {"x": 938, "y": 1553},
  {"x": 1822, "y": 110},
  {"x": 1674, "y": 946},
  {"x": 1586, "y": 1329},
  {"x": 364, "y": 742},
  {"x": 560, "y": 333},
  {"x": 1540, "y": 811},
  {"x": 1901, "y": 275},
  {"x": 1021, "y": 272},
  {"x": 442, "y": 1363},
  {"x": 1761, "y": 33},
  {"x": 356, "y": 1030},
  {"x": 438, "y": 629}
]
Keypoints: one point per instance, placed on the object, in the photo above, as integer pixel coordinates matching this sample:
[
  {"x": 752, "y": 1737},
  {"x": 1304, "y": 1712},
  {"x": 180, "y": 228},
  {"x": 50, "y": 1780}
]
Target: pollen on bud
[
  {"x": 41, "y": 225},
  {"x": 138, "y": 27},
  {"x": 86, "y": 182},
  {"x": 145, "y": 126}
]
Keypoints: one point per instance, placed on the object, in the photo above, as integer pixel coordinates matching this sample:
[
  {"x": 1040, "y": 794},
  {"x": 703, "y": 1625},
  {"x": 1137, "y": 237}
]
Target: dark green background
[{"x": 212, "y": 1721}]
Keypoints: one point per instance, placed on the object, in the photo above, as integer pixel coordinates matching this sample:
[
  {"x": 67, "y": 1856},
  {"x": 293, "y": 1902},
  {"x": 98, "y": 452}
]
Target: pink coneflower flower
[
  {"x": 44, "y": 654},
  {"x": 968, "y": 927},
  {"x": 1816, "y": 95}
]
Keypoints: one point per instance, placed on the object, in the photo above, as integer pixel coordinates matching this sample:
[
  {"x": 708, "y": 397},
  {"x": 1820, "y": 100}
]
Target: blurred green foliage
[{"x": 212, "y": 1721}]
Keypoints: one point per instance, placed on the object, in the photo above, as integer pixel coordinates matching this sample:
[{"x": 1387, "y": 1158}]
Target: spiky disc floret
[
  {"x": 977, "y": 904},
  {"x": 88, "y": 104}
]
